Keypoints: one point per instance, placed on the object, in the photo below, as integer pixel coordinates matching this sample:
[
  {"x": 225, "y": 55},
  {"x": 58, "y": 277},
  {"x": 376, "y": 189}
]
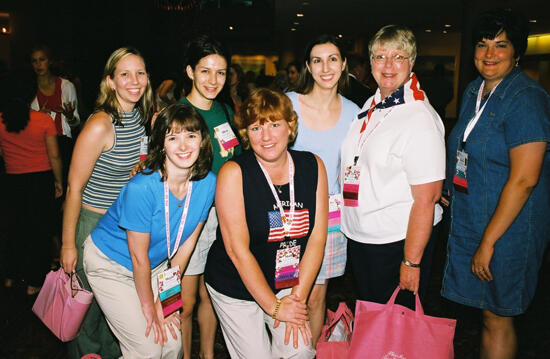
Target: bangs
[
  {"x": 179, "y": 124},
  {"x": 489, "y": 32}
]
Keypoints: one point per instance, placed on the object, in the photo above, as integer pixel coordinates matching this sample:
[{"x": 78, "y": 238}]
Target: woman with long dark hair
[
  {"x": 28, "y": 143},
  {"x": 324, "y": 117}
]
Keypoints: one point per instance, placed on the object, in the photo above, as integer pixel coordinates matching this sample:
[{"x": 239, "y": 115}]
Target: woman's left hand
[
  {"x": 171, "y": 321},
  {"x": 481, "y": 260},
  {"x": 409, "y": 278},
  {"x": 293, "y": 329}
]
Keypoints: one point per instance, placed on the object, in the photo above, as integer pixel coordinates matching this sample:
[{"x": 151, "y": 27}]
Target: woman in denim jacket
[{"x": 498, "y": 179}]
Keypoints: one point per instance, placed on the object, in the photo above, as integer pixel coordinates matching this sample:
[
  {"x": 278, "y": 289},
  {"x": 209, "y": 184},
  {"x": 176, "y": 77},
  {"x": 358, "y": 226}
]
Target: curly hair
[
  {"x": 265, "y": 105},
  {"x": 178, "y": 117}
]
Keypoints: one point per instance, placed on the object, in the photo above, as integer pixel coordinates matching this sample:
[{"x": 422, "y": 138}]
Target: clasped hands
[{"x": 295, "y": 315}]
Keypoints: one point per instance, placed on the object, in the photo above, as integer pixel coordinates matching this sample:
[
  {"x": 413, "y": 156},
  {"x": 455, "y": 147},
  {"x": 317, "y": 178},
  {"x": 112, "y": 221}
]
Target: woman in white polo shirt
[{"x": 393, "y": 165}]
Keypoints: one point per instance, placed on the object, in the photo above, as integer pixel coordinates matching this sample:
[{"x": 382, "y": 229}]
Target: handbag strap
[
  {"x": 342, "y": 313},
  {"x": 418, "y": 310},
  {"x": 79, "y": 283}
]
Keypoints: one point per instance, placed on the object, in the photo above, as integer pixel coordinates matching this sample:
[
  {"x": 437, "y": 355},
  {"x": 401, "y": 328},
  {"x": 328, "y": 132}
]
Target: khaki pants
[
  {"x": 244, "y": 325},
  {"x": 115, "y": 291}
]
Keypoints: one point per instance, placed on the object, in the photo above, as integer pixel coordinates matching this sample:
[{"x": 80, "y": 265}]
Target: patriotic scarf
[{"x": 407, "y": 93}]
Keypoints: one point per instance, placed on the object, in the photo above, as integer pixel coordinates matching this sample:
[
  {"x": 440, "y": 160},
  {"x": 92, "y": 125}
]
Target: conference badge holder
[
  {"x": 226, "y": 137},
  {"x": 169, "y": 288},
  {"x": 351, "y": 186},
  {"x": 460, "y": 181},
  {"x": 287, "y": 267}
]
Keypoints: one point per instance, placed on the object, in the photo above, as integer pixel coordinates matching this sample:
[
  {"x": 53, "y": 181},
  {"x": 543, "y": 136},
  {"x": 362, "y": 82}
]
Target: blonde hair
[
  {"x": 107, "y": 101},
  {"x": 394, "y": 36}
]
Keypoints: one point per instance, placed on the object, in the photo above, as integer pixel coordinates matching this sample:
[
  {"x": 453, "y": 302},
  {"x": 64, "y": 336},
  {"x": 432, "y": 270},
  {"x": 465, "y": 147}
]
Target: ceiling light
[
  {"x": 428, "y": 30},
  {"x": 300, "y": 14},
  {"x": 339, "y": 36},
  {"x": 231, "y": 28},
  {"x": 447, "y": 25},
  {"x": 444, "y": 31},
  {"x": 4, "y": 30},
  {"x": 293, "y": 29},
  {"x": 296, "y": 23},
  {"x": 533, "y": 21}
]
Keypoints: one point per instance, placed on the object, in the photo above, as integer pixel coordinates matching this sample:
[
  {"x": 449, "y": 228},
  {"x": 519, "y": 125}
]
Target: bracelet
[
  {"x": 276, "y": 310},
  {"x": 409, "y": 264}
]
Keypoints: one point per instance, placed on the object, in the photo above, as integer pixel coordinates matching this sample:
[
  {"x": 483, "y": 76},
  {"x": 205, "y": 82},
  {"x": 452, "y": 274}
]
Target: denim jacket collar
[{"x": 502, "y": 86}]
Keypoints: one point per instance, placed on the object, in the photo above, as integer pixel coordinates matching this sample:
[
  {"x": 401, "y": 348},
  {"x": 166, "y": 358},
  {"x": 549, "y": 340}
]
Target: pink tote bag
[
  {"x": 336, "y": 334},
  {"x": 391, "y": 331},
  {"x": 62, "y": 304}
]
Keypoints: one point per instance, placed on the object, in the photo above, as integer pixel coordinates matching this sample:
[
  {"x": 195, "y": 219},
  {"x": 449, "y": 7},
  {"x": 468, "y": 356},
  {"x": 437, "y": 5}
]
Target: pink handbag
[
  {"x": 62, "y": 304},
  {"x": 336, "y": 334},
  {"x": 391, "y": 331}
]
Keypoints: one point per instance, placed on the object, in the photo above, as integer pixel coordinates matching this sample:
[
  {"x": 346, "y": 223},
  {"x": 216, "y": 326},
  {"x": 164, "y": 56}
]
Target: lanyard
[
  {"x": 167, "y": 218},
  {"x": 470, "y": 126},
  {"x": 287, "y": 221},
  {"x": 363, "y": 135}
]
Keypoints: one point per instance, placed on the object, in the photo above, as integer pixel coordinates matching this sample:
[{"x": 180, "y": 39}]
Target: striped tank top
[{"x": 112, "y": 169}]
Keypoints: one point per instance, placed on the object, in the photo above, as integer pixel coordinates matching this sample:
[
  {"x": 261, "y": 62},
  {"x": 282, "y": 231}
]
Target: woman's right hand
[
  {"x": 155, "y": 320},
  {"x": 292, "y": 310},
  {"x": 68, "y": 257}
]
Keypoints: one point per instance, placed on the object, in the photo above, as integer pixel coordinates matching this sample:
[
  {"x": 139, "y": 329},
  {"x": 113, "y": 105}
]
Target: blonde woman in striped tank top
[{"x": 105, "y": 152}]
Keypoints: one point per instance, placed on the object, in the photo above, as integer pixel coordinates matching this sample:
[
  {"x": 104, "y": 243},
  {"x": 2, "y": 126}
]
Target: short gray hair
[{"x": 394, "y": 36}]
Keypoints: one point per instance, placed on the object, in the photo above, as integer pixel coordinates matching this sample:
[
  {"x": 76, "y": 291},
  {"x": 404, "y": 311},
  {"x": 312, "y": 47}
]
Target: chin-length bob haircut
[
  {"x": 394, "y": 37},
  {"x": 107, "y": 101},
  {"x": 492, "y": 23},
  {"x": 174, "y": 119},
  {"x": 265, "y": 105},
  {"x": 306, "y": 81}
]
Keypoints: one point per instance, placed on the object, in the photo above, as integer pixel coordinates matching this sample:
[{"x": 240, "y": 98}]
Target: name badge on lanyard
[
  {"x": 287, "y": 259},
  {"x": 226, "y": 138},
  {"x": 143, "y": 147},
  {"x": 287, "y": 267},
  {"x": 169, "y": 281},
  {"x": 351, "y": 186},
  {"x": 460, "y": 179},
  {"x": 334, "y": 215},
  {"x": 352, "y": 173}
]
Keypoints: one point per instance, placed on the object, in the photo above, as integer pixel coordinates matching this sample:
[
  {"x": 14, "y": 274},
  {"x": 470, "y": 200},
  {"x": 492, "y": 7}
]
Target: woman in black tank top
[{"x": 272, "y": 209}]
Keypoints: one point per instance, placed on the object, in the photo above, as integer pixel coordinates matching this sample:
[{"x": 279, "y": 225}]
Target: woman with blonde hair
[{"x": 107, "y": 149}]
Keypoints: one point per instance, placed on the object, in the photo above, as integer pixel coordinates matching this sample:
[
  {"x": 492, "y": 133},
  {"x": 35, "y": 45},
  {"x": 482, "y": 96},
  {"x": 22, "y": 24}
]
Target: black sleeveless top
[{"x": 264, "y": 224}]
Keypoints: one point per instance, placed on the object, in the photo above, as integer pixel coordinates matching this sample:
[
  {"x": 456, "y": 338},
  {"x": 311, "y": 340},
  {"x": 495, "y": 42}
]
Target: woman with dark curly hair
[
  {"x": 135, "y": 256},
  {"x": 498, "y": 182}
]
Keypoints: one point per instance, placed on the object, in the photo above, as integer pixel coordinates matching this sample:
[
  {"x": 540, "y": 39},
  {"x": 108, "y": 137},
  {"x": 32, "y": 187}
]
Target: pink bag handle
[
  {"x": 343, "y": 313},
  {"x": 419, "y": 310}
]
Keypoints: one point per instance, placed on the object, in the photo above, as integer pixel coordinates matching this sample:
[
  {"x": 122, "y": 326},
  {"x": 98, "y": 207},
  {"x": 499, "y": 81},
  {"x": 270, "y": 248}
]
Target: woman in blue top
[
  {"x": 128, "y": 249},
  {"x": 498, "y": 176},
  {"x": 324, "y": 117}
]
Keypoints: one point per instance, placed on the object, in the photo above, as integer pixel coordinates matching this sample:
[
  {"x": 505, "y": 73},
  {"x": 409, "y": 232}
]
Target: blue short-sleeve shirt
[{"x": 140, "y": 208}]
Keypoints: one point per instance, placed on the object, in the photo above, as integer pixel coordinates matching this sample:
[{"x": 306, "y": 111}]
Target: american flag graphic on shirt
[{"x": 300, "y": 225}]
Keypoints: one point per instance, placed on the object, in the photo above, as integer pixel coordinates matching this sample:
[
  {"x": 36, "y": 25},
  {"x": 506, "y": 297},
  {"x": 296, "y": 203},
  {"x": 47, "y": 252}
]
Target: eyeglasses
[{"x": 396, "y": 59}]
